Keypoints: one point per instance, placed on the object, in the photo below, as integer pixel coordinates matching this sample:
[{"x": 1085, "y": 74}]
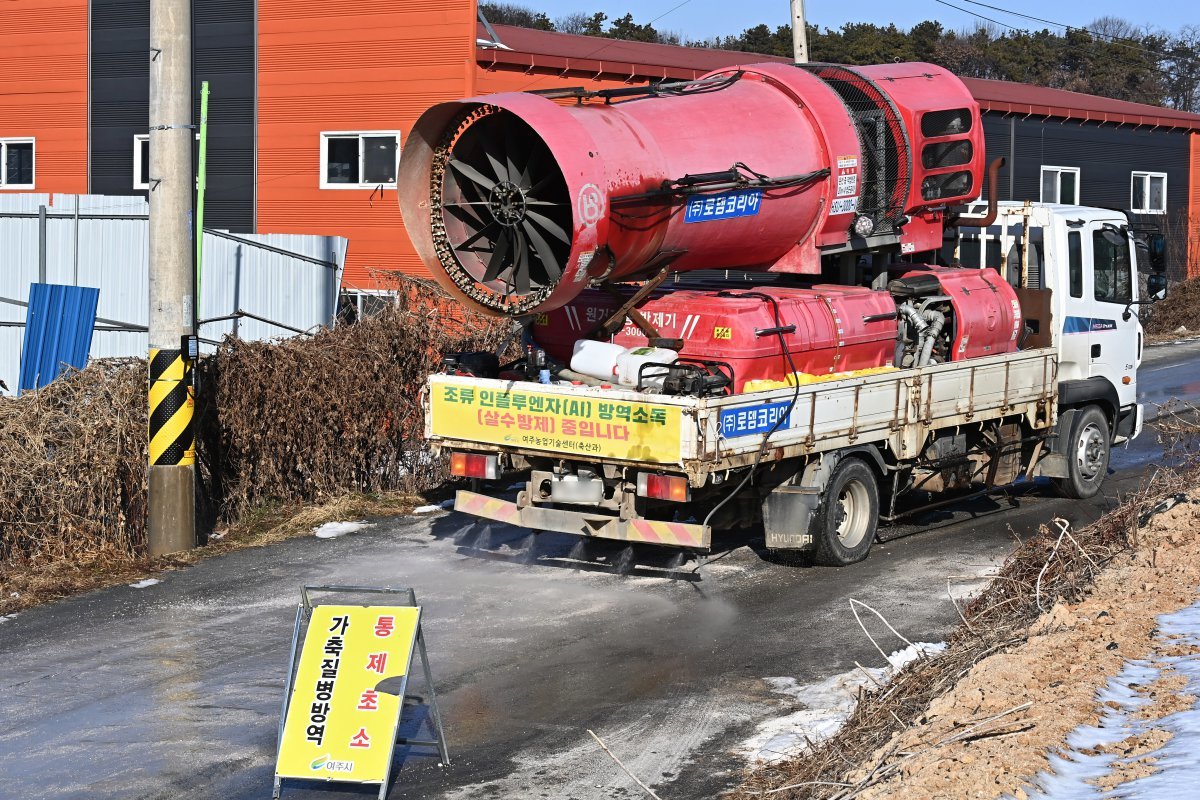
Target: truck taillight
[
  {"x": 663, "y": 487},
  {"x": 474, "y": 465}
]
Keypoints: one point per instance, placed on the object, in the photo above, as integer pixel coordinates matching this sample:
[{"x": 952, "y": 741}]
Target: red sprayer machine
[{"x": 756, "y": 296}]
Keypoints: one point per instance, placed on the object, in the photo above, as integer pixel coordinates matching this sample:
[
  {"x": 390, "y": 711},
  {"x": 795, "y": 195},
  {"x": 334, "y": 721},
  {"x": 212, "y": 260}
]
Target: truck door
[
  {"x": 1114, "y": 342},
  {"x": 1076, "y": 361}
]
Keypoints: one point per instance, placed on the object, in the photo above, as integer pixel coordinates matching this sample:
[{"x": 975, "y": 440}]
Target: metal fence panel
[
  {"x": 58, "y": 332},
  {"x": 290, "y": 279}
]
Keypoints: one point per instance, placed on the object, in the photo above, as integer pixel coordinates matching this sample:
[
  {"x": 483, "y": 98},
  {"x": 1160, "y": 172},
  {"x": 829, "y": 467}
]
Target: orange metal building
[{"x": 44, "y": 93}]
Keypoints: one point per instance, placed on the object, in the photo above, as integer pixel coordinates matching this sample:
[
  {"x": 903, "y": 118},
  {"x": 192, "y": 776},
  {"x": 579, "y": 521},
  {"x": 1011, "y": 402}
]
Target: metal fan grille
[
  {"x": 885, "y": 176},
  {"x": 501, "y": 214}
]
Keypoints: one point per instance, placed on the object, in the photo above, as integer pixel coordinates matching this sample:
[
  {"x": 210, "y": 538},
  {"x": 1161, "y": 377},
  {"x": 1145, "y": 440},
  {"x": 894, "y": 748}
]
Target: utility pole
[
  {"x": 171, "y": 516},
  {"x": 799, "y": 33}
]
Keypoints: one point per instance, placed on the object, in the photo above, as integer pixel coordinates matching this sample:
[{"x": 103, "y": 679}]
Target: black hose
[{"x": 762, "y": 449}]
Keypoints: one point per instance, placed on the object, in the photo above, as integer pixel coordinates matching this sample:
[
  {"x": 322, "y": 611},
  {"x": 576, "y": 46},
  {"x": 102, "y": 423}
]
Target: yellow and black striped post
[
  {"x": 172, "y": 440},
  {"x": 171, "y": 455}
]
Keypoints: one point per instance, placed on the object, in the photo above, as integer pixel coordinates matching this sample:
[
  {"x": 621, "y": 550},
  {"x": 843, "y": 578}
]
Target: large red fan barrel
[{"x": 516, "y": 202}]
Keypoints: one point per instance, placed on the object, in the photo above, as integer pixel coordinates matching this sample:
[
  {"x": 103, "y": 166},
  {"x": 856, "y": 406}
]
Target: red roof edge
[{"x": 549, "y": 52}]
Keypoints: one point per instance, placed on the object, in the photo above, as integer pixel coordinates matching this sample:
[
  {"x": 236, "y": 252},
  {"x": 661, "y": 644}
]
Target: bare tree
[
  {"x": 1182, "y": 67},
  {"x": 576, "y": 23}
]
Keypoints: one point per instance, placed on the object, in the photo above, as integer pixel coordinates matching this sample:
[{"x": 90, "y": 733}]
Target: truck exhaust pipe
[{"x": 993, "y": 207}]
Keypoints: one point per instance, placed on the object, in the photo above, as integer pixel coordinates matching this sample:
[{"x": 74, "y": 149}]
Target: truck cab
[{"x": 1075, "y": 270}]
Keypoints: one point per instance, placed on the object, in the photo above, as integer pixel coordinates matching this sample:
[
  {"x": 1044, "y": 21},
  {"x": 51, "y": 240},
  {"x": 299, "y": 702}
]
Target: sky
[{"x": 702, "y": 19}]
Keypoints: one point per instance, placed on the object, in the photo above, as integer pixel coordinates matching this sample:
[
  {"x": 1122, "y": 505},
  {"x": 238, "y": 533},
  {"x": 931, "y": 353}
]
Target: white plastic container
[
  {"x": 630, "y": 363},
  {"x": 597, "y": 359}
]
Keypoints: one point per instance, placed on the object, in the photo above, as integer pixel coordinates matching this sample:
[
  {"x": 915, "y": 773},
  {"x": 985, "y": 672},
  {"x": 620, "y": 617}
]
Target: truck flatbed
[{"x": 702, "y": 435}]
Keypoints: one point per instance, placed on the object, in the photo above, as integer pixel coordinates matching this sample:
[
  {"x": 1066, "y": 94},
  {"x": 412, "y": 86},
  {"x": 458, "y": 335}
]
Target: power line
[
  {"x": 1122, "y": 41},
  {"x": 1068, "y": 45}
]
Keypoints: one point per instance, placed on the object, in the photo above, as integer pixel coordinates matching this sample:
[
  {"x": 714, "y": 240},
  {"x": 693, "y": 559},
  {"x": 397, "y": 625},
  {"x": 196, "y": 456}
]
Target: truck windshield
[{"x": 1111, "y": 267}]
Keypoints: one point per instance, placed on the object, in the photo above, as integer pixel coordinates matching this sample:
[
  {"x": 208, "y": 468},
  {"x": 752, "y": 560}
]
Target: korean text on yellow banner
[
  {"x": 581, "y": 424},
  {"x": 346, "y": 698}
]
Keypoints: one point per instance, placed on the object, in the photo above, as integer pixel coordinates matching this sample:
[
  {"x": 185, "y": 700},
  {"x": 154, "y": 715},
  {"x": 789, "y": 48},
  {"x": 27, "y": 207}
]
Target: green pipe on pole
[{"x": 201, "y": 169}]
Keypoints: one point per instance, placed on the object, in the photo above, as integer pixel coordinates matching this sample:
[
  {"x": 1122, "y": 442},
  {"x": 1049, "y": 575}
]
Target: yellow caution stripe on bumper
[{"x": 584, "y": 523}]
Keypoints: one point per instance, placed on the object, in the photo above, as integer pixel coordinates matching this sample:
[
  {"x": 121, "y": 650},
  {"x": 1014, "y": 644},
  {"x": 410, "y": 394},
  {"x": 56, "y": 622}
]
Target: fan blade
[
  {"x": 521, "y": 265},
  {"x": 510, "y": 147},
  {"x": 545, "y": 181},
  {"x": 498, "y": 168},
  {"x": 525, "y": 179},
  {"x": 479, "y": 234},
  {"x": 496, "y": 262},
  {"x": 553, "y": 271},
  {"x": 472, "y": 174},
  {"x": 464, "y": 213},
  {"x": 550, "y": 225}
]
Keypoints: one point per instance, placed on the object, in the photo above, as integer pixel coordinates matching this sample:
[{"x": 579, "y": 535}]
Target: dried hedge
[
  {"x": 73, "y": 475},
  {"x": 300, "y": 420},
  {"x": 1180, "y": 308},
  {"x": 309, "y": 418}
]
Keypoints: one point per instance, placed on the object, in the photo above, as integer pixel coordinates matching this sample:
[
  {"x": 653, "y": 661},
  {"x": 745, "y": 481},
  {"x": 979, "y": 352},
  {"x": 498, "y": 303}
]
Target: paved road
[{"x": 173, "y": 691}]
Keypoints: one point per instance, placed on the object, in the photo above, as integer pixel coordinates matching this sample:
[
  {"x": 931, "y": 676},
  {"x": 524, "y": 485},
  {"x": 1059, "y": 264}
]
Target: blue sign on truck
[
  {"x": 753, "y": 420},
  {"x": 723, "y": 206}
]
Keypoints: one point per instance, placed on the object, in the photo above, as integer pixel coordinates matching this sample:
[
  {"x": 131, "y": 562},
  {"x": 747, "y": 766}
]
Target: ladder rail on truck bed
[
  {"x": 700, "y": 436},
  {"x": 898, "y": 408}
]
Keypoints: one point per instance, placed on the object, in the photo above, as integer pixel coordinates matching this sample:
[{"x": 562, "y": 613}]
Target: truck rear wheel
[
  {"x": 845, "y": 526},
  {"x": 1087, "y": 452}
]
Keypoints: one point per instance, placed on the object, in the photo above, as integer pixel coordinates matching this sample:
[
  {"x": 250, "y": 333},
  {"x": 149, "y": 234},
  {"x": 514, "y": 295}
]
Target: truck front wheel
[
  {"x": 845, "y": 526},
  {"x": 1087, "y": 452}
]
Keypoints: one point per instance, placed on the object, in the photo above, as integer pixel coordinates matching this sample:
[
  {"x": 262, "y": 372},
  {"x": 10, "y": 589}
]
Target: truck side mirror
[
  {"x": 1156, "y": 285},
  {"x": 1157, "y": 244}
]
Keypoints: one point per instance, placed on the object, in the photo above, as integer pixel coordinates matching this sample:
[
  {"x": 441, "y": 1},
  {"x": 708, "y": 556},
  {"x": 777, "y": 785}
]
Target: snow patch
[
  {"x": 145, "y": 583},
  {"x": 332, "y": 530},
  {"x": 828, "y": 704},
  {"x": 7, "y": 617},
  {"x": 435, "y": 507},
  {"x": 1073, "y": 771}
]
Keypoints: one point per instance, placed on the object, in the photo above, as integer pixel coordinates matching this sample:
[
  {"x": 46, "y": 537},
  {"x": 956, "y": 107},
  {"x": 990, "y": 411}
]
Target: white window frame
[
  {"x": 1145, "y": 177},
  {"x": 1058, "y": 183},
  {"x": 16, "y": 187},
  {"x": 359, "y": 296},
  {"x": 325, "y": 135},
  {"x": 138, "y": 138}
]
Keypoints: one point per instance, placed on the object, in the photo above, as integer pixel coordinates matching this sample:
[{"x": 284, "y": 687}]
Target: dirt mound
[
  {"x": 1064, "y": 613},
  {"x": 1179, "y": 309},
  {"x": 996, "y": 730}
]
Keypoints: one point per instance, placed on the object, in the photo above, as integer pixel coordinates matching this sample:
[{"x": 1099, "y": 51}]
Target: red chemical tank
[
  {"x": 517, "y": 202},
  {"x": 837, "y": 328}
]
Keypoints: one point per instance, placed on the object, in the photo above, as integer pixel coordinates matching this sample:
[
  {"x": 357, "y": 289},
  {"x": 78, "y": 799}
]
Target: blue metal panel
[{"x": 58, "y": 332}]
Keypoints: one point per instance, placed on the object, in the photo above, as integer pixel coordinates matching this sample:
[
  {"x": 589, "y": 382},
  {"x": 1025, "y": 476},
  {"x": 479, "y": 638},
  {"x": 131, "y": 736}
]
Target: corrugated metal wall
[
  {"x": 44, "y": 89},
  {"x": 1193, "y": 224},
  {"x": 375, "y": 65},
  {"x": 291, "y": 279}
]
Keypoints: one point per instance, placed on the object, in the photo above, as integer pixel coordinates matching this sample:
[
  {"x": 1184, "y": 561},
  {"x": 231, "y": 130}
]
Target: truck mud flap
[{"x": 600, "y": 526}]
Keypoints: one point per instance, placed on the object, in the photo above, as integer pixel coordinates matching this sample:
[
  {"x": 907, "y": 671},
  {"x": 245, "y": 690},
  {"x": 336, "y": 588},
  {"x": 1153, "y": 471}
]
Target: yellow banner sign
[
  {"x": 346, "y": 699},
  {"x": 585, "y": 425}
]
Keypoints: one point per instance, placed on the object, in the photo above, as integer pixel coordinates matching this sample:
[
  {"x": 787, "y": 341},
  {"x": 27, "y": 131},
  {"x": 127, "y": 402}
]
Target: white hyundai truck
[
  {"x": 848, "y": 448},
  {"x": 767, "y": 296}
]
